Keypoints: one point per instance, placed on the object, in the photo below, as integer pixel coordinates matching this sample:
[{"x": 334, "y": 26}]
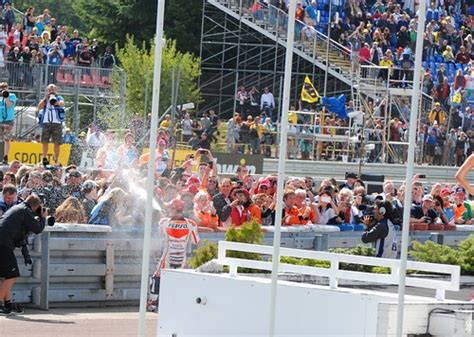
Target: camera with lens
[
  {"x": 49, "y": 220},
  {"x": 53, "y": 99},
  {"x": 5, "y": 93}
]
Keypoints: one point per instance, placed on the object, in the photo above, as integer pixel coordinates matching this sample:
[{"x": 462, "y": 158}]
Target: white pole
[
  {"x": 151, "y": 165},
  {"x": 282, "y": 163},
  {"x": 410, "y": 161}
]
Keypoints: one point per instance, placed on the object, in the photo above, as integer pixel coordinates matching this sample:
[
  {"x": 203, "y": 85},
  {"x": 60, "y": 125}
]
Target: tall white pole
[
  {"x": 411, "y": 163},
  {"x": 151, "y": 165},
  {"x": 282, "y": 163}
]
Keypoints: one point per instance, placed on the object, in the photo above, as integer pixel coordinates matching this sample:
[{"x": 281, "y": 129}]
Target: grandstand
[
  {"x": 93, "y": 87},
  {"x": 243, "y": 45}
]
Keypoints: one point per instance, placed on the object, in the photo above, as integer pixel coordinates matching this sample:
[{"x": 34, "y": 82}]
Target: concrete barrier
[{"x": 84, "y": 265}]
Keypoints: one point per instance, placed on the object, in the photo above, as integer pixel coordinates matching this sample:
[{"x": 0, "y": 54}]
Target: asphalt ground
[{"x": 93, "y": 322}]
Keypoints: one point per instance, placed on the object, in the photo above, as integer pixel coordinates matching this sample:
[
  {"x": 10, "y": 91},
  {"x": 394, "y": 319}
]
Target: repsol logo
[
  {"x": 178, "y": 225},
  {"x": 32, "y": 158}
]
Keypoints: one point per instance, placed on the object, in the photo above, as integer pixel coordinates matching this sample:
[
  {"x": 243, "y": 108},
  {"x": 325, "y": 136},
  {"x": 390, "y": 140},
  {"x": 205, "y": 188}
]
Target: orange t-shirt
[{"x": 459, "y": 211}]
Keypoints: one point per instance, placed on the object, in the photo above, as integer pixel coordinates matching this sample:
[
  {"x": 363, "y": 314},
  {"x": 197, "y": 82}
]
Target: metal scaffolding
[{"x": 234, "y": 54}]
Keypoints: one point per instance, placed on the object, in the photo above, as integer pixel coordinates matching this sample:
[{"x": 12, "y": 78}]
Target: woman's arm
[{"x": 461, "y": 174}]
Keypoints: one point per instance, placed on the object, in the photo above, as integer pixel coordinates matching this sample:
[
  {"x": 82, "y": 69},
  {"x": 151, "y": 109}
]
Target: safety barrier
[
  {"x": 70, "y": 78},
  {"x": 334, "y": 272},
  {"x": 85, "y": 264}
]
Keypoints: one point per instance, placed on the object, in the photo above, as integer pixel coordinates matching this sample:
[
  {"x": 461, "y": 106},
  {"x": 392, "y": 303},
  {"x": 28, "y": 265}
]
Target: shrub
[
  {"x": 249, "y": 232},
  {"x": 436, "y": 253},
  {"x": 203, "y": 254},
  {"x": 466, "y": 259}
]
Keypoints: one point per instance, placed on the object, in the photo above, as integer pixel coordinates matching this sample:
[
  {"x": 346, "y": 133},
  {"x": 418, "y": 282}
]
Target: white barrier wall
[{"x": 239, "y": 307}]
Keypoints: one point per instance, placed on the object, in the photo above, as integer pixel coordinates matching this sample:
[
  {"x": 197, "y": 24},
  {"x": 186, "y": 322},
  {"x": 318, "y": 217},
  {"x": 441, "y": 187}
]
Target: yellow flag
[{"x": 308, "y": 91}]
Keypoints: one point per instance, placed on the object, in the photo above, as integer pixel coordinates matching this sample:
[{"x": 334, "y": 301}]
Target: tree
[
  {"x": 137, "y": 62},
  {"x": 112, "y": 20},
  {"x": 61, "y": 10}
]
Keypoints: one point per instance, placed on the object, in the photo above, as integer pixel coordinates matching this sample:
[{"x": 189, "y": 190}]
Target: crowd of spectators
[
  {"x": 103, "y": 194},
  {"x": 38, "y": 38},
  {"x": 383, "y": 33}
]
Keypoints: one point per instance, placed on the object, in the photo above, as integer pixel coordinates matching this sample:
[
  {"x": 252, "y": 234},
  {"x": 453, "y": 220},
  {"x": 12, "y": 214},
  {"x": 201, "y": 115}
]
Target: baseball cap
[
  {"x": 266, "y": 183},
  {"x": 428, "y": 197},
  {"x": 351, "y": 175},
  {"x": 193, "y": 180},
  {"x": 75, "y": 174},
  {"x": 445, "y": 191},
  {"x": 460, "y": 190}
]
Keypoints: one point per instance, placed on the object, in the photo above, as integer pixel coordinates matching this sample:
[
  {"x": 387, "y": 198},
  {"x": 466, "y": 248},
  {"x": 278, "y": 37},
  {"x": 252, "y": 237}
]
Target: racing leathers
[{"x": 177, "y": 232}]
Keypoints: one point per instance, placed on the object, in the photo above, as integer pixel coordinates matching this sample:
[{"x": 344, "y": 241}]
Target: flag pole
[
  {"x": 151, "y": 166},
  {"x": 410, "y": 167},
  {"x": 282, "y": 165}
]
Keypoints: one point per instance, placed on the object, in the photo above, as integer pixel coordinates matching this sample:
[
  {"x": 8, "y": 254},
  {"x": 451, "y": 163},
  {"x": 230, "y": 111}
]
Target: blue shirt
[
  {"x": 311, "y": 12},
  {"x": 70, "y": 49},
  {"x": 7, "y": 114}
]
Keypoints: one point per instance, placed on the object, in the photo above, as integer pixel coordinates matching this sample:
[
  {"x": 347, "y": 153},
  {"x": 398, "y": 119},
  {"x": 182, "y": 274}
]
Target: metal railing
[
  {"x": 335, "y": 273},
  {"x": 89, "y": 80},
  {"x": 307, "y": 38}
]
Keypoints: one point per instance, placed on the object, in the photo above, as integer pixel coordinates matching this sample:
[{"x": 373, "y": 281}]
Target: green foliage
[
  {"x": 466, "y": 251},
  {"x": 62, "y": 10},
  {"x": 183, "y": 24},
  {"x": 203, "y": 254},
  {"x": 112, "y": 20},
  {"x": 305, "y": 262},
  {"x": 360, "y": 251},
  {"x": 137, "y": 62},
  {"x": 249, "y": 232},
  {"x": 381, "y": 270},
  {"x": 436, "y": 253}
]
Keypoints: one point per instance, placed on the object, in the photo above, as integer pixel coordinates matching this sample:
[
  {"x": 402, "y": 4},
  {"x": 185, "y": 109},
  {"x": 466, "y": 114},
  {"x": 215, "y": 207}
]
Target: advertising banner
[
  {"x": 227, "y": 163},
  {"x": 30, "y": 153}
]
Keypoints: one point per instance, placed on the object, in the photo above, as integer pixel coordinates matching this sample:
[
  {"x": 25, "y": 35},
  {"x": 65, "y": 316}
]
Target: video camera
[{"x": 53, "y": 99}]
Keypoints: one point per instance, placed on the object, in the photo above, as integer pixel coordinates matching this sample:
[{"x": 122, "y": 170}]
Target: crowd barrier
[{"x": 84, "y": 265}]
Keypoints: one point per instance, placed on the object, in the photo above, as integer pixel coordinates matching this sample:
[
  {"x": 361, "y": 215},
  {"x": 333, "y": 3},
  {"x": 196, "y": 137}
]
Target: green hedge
[
  {"x": 462, "y": 256},
  {"x": 427, "y": 252}
]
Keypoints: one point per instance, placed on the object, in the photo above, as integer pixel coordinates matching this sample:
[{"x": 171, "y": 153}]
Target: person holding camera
[
  {"x": 16, "y": 223},
  {"x": 7, "y": 117},
  {"x": 380, "y": 229},
  {"x": 51, "y": 119},
  {"x": 427, "y": 213}
]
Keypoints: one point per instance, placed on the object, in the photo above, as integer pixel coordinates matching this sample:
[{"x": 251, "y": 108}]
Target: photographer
[
  {"x": 51, "y": 119},
  {"x": 7, "y": 117},
  {"x": 380, "y": 229},
  {"x": 15, "y": 225}
]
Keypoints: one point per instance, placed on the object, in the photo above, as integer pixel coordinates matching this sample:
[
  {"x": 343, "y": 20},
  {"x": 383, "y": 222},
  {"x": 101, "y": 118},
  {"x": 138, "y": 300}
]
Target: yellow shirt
[
  {"x": 165, "y": 124},
  {"x": 292, "y": 117}
]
